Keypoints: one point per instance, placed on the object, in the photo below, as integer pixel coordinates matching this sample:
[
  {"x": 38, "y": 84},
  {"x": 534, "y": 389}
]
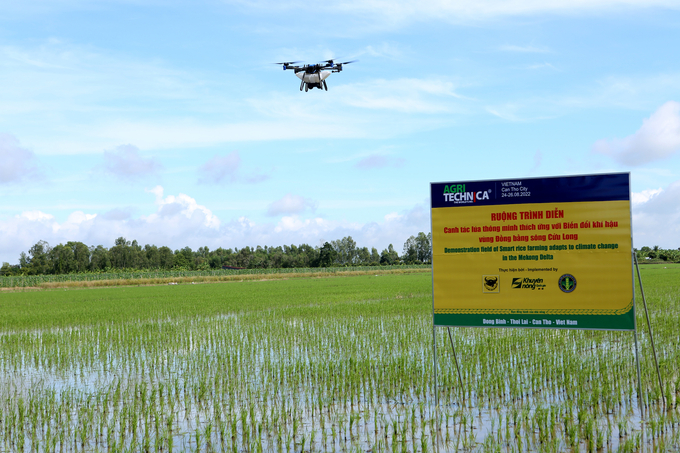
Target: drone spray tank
[{"x": 313, "y": 78}]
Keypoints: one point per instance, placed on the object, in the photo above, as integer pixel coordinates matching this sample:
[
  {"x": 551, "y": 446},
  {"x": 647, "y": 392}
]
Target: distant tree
[
  {"x": 166, "y": 258},
  {"x": 77, "y": 257},
  {"x": 121, "y": 254},
  {"x": 243, "y": 257},
  {"x": 410, "y": 253},
  {"x": 308, "y": 256},
  {"x": 37, "y": 262},
  {"x": 418, "y": 249},
  {"x": 99, "y": 258},
  {"x": 389, "y": 256},
  {"x": 81, "y": 256},
  {"x": 138, "y": 259},
  {"x": 327, "y": 255},
  {"x": 61, "y": 259},
  {"x": 215, "y": 262},
  {"x": 9, "y": 269},
  {"x": 259, "y": 258},
  {"x": 669, "y": 255},
  {"x": 24, "y": 261},
  {"x": 375, "y": 257},
  {"x": 424, "y": 247},
  {"x": 184, "y": 258},
  {"x": 275, "y": 257},
  {"x": 363, "y": 257},
  {"x": 153, "y": 257},
  {"x": 187, "y": 258},
  {"x": 346, "y": 250},
  {"x": 654, "y": 253}
]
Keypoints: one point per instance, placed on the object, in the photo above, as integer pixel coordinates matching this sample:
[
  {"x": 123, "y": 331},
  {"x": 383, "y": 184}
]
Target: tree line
[
  {"x": 76, "y": 257},
  {"x": 657, "y": 254}
]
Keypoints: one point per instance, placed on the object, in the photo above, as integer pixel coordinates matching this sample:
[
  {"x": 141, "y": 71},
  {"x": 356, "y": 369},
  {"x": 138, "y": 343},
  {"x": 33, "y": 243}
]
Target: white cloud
[
  {"x": 309, "y": 227},
  {"x": 613, "y": 92},
  {"x": 524, "y": 49},
  {"x": 16, "y": 162},
  {"x": 125, "y": 162},
  {"x": 640, "y": 92},
  {"x": 220, "y": 169},
  {"x": 86, "y": 73},
  {"x": 290, "y": 204},
  {"x": 227, "y": 169},
  {"x": 181, "y": 211},
  {"x": 538, "y": 158},
  {"x": 379, "y": 161},
  {"x": 656, "y": 217},
  {"x": 36, "y": 216},
  {"x": 542, "y": 66},
  {"x": 180, "y": 133},
  {"x": 179, "y": 221},
  {"x": 658, "y": 138},
  {"x": 639, "y": 198},
  {"x": 395, "y": 13},
  {"x": 513, "y": 112},
  {"x": 384, "y": 50},
  {"x": 175, "y": 221},
  {"x": 429, "y": 95}
]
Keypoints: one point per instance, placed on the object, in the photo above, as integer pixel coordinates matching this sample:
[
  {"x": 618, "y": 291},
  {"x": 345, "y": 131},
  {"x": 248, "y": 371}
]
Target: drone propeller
[
  {"x": 332, "y": 62},
  {"x": 337, "y": 66}
]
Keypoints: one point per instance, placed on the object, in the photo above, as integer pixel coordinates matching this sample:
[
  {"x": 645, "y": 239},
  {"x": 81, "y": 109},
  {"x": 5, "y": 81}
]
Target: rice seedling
[{"x": 319, "y": 364}]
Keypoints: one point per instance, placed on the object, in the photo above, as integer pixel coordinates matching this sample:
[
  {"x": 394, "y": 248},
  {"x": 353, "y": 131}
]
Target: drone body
[{"x": 314, "y": 75}]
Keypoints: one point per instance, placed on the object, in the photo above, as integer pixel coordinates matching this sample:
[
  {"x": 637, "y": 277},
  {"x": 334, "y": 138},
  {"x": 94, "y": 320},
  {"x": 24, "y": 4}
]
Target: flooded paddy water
[{"x": 330, "y": 373}]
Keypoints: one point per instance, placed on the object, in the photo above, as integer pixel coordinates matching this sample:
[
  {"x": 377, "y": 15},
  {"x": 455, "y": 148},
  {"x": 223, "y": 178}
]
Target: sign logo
[
  {"x": 491, "y": 283},
  {"x": 567, "y": 283},
  {"x": 457, "y": 194},
  {"x": 528, "y": 283}
]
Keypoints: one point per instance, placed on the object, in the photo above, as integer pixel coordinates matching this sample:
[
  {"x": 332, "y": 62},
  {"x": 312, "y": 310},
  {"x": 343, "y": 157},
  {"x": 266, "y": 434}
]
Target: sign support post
[
  {"x": 460, "y": 378},
  {"x": 649, "y": 326}
]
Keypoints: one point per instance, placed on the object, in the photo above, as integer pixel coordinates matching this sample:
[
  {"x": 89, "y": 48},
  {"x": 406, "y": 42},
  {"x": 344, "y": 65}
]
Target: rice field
[
  {"x": 157, "y": 276},
  {"x": 321, "y": 365}
]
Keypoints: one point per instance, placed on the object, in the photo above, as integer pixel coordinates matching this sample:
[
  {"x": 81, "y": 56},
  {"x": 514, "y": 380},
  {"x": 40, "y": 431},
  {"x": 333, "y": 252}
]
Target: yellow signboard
[{"x": 542, "y": 252}]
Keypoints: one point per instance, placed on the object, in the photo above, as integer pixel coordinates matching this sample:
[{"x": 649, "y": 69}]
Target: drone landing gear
[
  {"x": 302, "y": 84},
  {"x": 325, "y": 87},
  {"x": 306, "y": 87}
]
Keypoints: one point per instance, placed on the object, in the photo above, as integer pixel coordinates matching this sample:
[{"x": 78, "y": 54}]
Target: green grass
[
  {"x": 320, "y": 364},
  {"x": 294, "y": 297}
]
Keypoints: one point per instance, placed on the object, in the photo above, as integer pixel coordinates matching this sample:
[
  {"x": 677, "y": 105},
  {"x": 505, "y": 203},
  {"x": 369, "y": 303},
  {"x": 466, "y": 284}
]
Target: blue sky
[{"x": 166, "y": 122}]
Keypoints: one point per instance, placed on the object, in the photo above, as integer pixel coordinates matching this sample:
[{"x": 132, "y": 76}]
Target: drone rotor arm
[{"x": 288, "y": 65}]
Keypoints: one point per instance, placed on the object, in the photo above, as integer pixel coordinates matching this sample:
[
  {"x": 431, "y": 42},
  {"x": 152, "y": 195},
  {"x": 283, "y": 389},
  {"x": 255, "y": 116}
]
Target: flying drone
[{"x": 314, "y": 75}]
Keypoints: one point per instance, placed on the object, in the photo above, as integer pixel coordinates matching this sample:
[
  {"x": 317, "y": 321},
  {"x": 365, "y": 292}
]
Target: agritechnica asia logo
[
  {"x": 567, "y": 283},
  {"x": 457, "y": 194},
  {"x": 527, "y": 283}
]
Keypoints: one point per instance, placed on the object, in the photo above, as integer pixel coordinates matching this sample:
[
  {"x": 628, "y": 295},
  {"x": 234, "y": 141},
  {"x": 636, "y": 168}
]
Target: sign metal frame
[{"x": 481, "y": 200}]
